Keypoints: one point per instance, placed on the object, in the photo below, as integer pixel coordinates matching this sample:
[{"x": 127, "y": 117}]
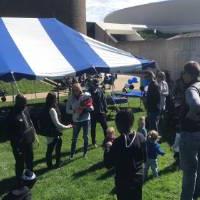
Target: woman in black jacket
[
  {"x": 127, "y": 155},
  {"x": 53, "y": 129}
]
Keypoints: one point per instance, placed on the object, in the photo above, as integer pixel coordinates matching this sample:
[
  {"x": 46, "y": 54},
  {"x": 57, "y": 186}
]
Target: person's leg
[
  {"x": 154, "y": 167},
  {"x": 58, "y": 150},
  {"x": 146, "y": 169},
  {"x": 189, "y": 165},
  {"x": 76, "y": 130},
  {"x": 197, "y": 185},
  {"x": 85, "y": 125},
  {"x": 50, "y": 148},
  {"x": 102, "y": 120},
  {"x": 19, "y": 160},
  {"x": 28, "y": 155},
  {"x": 153, "y": 120},
  {"x": 93, "y": 128}
]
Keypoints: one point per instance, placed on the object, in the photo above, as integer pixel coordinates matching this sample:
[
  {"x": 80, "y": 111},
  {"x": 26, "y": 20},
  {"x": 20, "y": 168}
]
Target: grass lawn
[
  {"x": 86, "y": 179},
  {"x": 26, "y": 87}
]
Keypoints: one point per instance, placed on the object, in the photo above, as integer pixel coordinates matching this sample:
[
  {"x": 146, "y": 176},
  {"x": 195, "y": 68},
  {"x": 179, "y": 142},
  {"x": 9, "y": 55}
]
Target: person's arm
[
  {"x": 104, "y": 101},
  {"x": 193, "y": 101},
  {"x": 55, "y": 120},
  {"x": 69, "y": 106},
  {"x": 159, "y": 150}
]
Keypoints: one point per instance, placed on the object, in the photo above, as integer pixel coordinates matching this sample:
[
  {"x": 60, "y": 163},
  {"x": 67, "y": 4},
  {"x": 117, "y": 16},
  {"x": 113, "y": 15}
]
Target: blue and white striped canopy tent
[{"x": 36, "y": 48}]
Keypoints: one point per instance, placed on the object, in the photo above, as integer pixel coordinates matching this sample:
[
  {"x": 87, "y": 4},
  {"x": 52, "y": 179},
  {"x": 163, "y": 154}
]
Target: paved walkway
[{"x": 119, "y": 84}]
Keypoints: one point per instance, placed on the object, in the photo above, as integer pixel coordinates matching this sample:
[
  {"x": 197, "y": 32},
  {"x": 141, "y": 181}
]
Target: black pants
[
  {"x": 55, "y": 144},
  {"x": 23, "y": 154},
  {"x": 101, "y": 118},
  {"x": 130, "y": 193}
]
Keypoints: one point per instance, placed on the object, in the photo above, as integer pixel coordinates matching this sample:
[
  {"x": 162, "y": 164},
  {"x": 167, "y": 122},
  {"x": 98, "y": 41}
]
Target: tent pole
[
  {"x": 15, "y": 83},
  {"x": 13, "y": 92}
]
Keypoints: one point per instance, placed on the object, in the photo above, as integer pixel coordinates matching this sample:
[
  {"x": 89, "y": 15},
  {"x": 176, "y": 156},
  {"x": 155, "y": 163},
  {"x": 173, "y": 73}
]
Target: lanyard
[{"x": 126, "y": 143}]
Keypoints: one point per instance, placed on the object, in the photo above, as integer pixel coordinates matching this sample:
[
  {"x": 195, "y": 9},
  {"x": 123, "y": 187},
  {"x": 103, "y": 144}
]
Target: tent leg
[{"x": 13, "y": 92}]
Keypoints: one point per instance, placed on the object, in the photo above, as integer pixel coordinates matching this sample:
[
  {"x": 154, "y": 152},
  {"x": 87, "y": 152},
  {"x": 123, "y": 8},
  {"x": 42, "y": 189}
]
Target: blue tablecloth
[{"x": 133, "y": 93}]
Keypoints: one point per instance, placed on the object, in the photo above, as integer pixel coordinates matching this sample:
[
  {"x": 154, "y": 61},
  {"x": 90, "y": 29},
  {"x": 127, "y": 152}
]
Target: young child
[
  {"x": 153, "y": 150},
  {"x": 108, "y": 141},
  {"x": 141, "y": 126},
  {"x": 86, "y": 104}
]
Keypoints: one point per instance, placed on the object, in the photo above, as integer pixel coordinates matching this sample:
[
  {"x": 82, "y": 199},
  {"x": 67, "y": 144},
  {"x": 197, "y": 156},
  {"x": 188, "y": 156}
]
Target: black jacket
[
  {"x": 128, "y": 162},
  {"x": 99, "y": 100},
  {"x": 47, "y": 127},
  {"x": 153, "y": 97},
  {"x": 20, "y": 126}
]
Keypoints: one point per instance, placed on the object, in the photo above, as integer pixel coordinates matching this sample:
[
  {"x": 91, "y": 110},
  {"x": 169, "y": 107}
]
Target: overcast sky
[{"x": 98, "y": 9}]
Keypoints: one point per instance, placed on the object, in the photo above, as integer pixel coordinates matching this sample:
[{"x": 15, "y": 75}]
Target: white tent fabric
[{"x": 36, "y": 48}]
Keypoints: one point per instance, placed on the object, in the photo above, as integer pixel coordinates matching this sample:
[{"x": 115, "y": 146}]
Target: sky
[{"x": 98, "y": 9}]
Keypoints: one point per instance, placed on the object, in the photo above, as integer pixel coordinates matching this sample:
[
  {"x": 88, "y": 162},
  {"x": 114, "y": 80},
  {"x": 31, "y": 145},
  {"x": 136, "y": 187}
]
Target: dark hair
[
  {"x": 51, "y": 100},
  {"x": 192, "y": 68},
  {"x": 124, "y": 121},
  {"x": 20, "y": 100},
  {"x": 149, "y": 74}
]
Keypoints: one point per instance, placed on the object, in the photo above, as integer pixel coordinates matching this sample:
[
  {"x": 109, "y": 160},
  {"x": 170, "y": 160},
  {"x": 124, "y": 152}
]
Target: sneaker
[{"x": 95, "y": 145}]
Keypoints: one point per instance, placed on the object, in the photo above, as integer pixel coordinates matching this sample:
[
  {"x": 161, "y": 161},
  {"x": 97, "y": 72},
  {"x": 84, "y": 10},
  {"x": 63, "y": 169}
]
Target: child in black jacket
[{"x": 127, "y": 155}]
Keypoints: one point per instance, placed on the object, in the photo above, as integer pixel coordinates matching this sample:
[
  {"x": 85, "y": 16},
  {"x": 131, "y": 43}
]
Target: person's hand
[{"x": 70, "y": 126}]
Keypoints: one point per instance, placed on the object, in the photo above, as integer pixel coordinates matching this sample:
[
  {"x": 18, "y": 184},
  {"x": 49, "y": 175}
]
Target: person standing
[
  {"x": 22, "y": 136},
  {"x": 152, "y": 101},
  {"x": 99, "y": 112},
  {"x": 190, "y": 133},
  {"x": 52, "y": 128},
  {"x": 80, "y": 117},
  {"x": 127, "y": 155}
]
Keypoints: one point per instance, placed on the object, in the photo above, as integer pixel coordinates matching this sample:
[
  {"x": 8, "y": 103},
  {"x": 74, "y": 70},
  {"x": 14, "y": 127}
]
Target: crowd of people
[{"x": 133, "y": 152}]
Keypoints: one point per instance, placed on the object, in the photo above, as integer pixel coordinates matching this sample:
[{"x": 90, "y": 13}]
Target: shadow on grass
[
  {"x": 167, "y": 170},
  {"x": 91, "y": 169},
  {"x": 106, "y": 175},
  {"x": 7, "y": 184},
  {"x": 66, "y": 154}
]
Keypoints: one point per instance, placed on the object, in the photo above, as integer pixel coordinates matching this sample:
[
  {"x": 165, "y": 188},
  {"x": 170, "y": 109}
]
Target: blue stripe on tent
[
  {"x": 12, "y": 60},
  {"x": 72, "y": 45}
]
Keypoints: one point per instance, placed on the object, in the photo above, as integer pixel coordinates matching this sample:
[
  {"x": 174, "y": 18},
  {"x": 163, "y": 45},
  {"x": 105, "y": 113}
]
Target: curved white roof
[{"x": 167, "y": 16}]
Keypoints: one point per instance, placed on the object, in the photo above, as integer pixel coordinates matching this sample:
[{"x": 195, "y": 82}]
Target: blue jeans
[
  {"x": 76, "y": 130},
  {"x": 190, "y": 164},
  {"x": 154, "y": 167}
]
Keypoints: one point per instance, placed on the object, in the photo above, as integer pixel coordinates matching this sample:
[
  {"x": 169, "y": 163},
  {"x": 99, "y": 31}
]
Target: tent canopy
[{"x": 36, "y": 48}]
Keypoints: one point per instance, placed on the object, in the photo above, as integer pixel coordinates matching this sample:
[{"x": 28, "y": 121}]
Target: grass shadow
[
  {"x": 107, "y": 174},
  {"x": 91, "y": 169},
  {"x": 7, "y": 184}
]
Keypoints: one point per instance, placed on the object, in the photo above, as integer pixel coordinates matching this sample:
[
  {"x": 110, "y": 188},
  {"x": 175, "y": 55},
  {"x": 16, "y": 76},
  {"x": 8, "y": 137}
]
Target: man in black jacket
[
  {"x": 100, "y": 110},
  {"x": 22, "y": 135},
  {"x": 152, "y": 101}
]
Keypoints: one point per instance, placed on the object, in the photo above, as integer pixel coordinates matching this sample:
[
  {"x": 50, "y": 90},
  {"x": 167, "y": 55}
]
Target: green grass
[
  {"x": 86, "y": 179},
  {"x": 26, "y": 87}
]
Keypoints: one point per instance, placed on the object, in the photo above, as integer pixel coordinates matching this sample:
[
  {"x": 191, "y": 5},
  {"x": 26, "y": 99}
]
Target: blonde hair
[
  {"x": 154, "y": 135},
  {"x": 110, "y": 130},
  {"x": 76, "y": 86},
  {"x": 141, "y": 120}
]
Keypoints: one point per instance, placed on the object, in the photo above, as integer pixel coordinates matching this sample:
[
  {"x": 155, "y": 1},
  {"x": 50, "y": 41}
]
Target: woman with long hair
[{"x": 53, "y": 129}]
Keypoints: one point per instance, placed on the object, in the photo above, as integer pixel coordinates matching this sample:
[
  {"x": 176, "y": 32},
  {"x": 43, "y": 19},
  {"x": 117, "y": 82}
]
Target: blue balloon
[
  {"x": 130, "y": 81},
  {"x": 134, "y": 80}
]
